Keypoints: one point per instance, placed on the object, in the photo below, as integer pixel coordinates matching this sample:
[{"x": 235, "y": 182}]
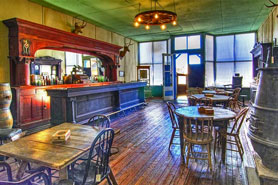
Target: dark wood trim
[{"x": 39, "y": 36}]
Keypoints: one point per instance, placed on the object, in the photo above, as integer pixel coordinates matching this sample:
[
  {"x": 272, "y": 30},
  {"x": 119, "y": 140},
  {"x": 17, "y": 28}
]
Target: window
[
  {"x": 194, "y": 42},
  {"x": 209, "y": 48},
  {"x": 194, "y": 59},
  {"x": 71, "y": 60},
  {"x": 233, "y": 56},
  {"x": 145, "y": 53},
  {"x": 225, "y": 48},
  {"x": 209, "y": 68},
  {"x": 188, "y": 42},
  {"x": 180, "y": 43},
  {"x": 150, "y": 53}
]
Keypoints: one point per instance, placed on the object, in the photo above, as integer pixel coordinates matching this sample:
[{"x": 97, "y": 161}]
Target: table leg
[
  {"x": 112, "y": 177},
  {"x": 63, "y": 173},
  {"x": 21, "y": 170},
  {"x": 224, "y": 141},
  {"x": 181, "y": 128}
]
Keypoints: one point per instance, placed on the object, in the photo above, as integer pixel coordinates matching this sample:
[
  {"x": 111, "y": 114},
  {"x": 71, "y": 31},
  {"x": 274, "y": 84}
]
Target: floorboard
[{"x": 144, "y": 157}]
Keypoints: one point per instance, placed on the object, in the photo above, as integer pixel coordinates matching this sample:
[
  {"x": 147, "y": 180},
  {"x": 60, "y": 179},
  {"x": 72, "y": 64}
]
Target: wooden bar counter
[
  {"x": 34, "y": 106},
  {"x": 76, "y": 103}
]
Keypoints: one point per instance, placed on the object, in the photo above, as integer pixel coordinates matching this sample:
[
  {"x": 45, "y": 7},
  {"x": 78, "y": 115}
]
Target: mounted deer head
[
  {"x": 271, "y": 6},
  {"x": 126, "y": 49},
  {"x": 78, "y": 27}
]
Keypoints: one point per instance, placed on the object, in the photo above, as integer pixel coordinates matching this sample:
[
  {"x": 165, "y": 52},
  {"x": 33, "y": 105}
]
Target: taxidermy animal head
[
  {"x": 126, "y": 49},
  {"x": 78, "y": 27}
]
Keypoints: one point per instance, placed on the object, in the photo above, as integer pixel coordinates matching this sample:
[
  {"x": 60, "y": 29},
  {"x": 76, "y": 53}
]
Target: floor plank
[{"x": 144, "y": 157}]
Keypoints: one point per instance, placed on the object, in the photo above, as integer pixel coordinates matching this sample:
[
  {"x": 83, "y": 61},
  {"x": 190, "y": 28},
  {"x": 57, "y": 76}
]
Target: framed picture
[{"x": 121, "y": 73}]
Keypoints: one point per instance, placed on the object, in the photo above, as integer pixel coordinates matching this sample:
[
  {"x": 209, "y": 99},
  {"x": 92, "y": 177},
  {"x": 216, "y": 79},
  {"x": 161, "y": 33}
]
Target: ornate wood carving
[{"x": 25, "y": 38}]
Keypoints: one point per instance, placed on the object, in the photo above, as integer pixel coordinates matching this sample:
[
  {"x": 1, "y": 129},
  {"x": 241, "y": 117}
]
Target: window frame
[
  {"x": 234, "y": 53},
  {"x": 152, "y": 64}
]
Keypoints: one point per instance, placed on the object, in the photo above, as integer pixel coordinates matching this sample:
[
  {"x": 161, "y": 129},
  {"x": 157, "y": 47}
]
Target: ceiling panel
[{"x": 212, "y": 16}]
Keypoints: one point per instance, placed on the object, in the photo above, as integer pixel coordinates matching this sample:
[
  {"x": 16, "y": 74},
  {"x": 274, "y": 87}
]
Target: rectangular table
[{"x": 38, "y": 148}]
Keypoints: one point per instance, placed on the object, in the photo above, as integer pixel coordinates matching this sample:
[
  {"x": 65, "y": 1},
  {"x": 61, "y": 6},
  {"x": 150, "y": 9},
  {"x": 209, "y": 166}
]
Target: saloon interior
[{"x": 139, "y": 92}]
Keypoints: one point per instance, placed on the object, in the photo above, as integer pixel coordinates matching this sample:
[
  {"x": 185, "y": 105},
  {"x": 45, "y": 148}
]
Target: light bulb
[
  {"x": 156, "y": 16},
  {"x": 139, "y": 19},
  {"x": 174, "y": 23},
  {"x": 147, "y": 27},
  {"x": 136, "y": 24},
  {"x": 163, "y": 27}
]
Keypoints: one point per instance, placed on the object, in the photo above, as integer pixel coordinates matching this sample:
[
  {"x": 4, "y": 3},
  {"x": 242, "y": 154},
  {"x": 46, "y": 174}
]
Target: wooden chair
[
  {"x": 39, "y": 176},
  {"x": 95, "y": 168},
  {"x": 233, "y": 132},
  {"x": 205, "y": 101},
  {"x": 233, "y": 102},
  {"x": 198, "y": 132},
  {"x": 99, "y": 120},
  {"x": 171, "y": 107},
  {"x": 192, "y": 101},
  {"x": 199, "y": 90},
  {"x": 102, "y": 121}
]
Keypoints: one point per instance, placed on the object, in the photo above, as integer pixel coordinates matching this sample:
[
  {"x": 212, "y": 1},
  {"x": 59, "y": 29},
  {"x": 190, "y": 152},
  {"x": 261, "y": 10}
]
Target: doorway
[{"x": 182, "y": 73}]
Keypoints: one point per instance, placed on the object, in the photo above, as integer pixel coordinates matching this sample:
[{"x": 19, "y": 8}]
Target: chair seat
[
  {"x": 77, "y": 173},
  {"x": 198, "y": 138},
  {"x": 9, "y": 133}
]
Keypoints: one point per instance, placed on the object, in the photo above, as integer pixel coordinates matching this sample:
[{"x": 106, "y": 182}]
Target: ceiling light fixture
[{"x": 155, "y": 17}]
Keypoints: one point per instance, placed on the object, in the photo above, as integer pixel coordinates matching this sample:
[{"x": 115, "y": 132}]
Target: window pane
[
  {"x": 158, "y": 49},
  {"x": 194, "y": 59},
  {"x": 243, "y": 45},
  {"x": 70, "y": 58},
  {"x": 79, "y": 59},
  {"x": 158, "y": 77},
  {"x": 209, "y": 48},
  {"x": 245, "y": 70},
  {"x": 225, "y": 48},
  {"x": 181, "y": 64},
  {"x": 224, "y": 73},
  {"x": 68, "y": 69},
  {"x": 182, "y": 80},
  {"x": 145, "y": 52},
  {"x": 209, "y": 78},
  {"x": 180, "y": 43},
  {"x": 194, "y": 42}
]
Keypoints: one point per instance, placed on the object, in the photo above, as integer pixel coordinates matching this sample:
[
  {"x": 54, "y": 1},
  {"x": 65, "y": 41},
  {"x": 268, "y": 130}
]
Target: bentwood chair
[
  {"x": 233, "y": 133},
  {"x": 99, "y": 120},
  {"x": 198, "y": 132},
  {"x": 234, "y": 103},
  {"x": 102, "y": 121},
  {"x": 192, "y": 101},
  {"x": 35, "y": 178},
  {"x": 171, "y": 107},
  {"x": 95, "y": 168},
  {"x": 205, "y": 101}
]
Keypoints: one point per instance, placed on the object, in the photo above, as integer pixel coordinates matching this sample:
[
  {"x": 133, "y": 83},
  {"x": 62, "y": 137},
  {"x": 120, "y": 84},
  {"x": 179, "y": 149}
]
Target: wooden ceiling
[{"x": 194, "y": 16}]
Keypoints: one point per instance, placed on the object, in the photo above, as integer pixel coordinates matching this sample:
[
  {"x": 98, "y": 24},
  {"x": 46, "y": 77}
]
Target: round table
[
  {"x": 221, "y": 119},
  {"x": 214, "y": 98},
  {"x": 217, "y": 92}
]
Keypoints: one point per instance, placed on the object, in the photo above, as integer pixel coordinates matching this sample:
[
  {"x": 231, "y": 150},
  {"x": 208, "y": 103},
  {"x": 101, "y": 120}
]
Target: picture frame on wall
[{"x": 121, "y": 73}]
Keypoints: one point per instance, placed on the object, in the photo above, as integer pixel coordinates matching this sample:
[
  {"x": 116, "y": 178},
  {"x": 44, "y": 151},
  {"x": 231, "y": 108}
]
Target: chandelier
[{"x": 155, "y": 17}]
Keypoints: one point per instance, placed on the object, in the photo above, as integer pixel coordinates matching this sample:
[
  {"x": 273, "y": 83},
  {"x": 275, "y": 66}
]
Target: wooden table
[
  {"x": 38, "y": 148},
  {"x": 215, "y": 99},
  {"x": 221, "y": 119},
  {"x": 217, "y": 92}
]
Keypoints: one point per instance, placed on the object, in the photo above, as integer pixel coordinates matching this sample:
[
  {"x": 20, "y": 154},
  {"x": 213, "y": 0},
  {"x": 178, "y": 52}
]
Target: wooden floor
[{"x": 144, "y": 157}]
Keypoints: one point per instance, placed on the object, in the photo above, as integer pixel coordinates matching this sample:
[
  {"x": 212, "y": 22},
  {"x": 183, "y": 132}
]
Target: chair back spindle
[
  {"x": 171, "y": 107},
  {"x": 99, "y": 154},
  {"x": 99, "y": 120},
  {"x": 239, "y": 120}
]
